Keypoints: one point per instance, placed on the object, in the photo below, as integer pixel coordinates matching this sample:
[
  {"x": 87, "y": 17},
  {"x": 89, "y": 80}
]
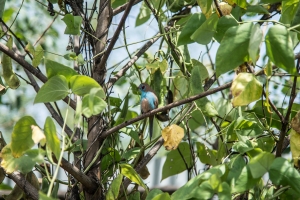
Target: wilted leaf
[
  {"x": 9, "y": 76},
  {"x": 24, "y": 163},
  {"x": 38, "y": 135},
  {"x": 36, "y": 53},
  {"x": 245, "y": 89},
  {"x": 172, "y": 136},
  {"x": 21, "y": 138}
]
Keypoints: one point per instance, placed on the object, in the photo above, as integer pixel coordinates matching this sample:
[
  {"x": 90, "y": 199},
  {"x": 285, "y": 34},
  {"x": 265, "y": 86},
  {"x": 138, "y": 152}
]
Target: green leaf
[
  {"x": 196, "y": 84},
  {"x": 21, "y": 138},
  {"x": 205, "y": 6},
  {"x": 245, "y": 89},
  {"x": 52, "y": 140},
  {"x": 164, "y": 196},
  {"x": 243, "y": 41},
  {"x": 257, "y": 9},
  {"x": 43, "y": 196},
  {"x": 245, "y": 181},
  {"x": 153, "y": 193},
  {"x": 282, "y": 172},
  {"x": 56, "y": 88},
  {"x": 194, "y": 22},
  {"x": 279, "y": 47},
  {"x": 143, "y": 16},
  {"x": 235, "y": 166},
  {"x": 296, "y": 20},
  {"x": 269, "y": 1},
  {"x": 9, "y": 76},
  {"x": 70, "y": 56},
  {"x": 241, "y": 3},
  {"x": 92, "y": 105},
  {"x": 224, "y": 24},
  {"x": 2, "y": 5},
  {"x": 243, "y": 147},
  {"x": 288, "y": 11},
  {"x": 174, "y": 163},
  {"x": 73, "y": 24},
  {"x": 131, "y": 153},
  {"x": 206, "y": 156},
  {"x": 260, "y": 164},
  {"x": 131, "y": 174},
  {"x": 82, "y": 85},
  {"x": 37, "y": 53},
  {"x": 204, "y": 190},
  {"x": 204, "y": 34},
  {"x": 54, "y": 68},
  {"x": 24, "y": 163},
  {"x": 117, "y": 3},
  {"x": 113, "y": 191},
  {"x": 224, "y": 191}
]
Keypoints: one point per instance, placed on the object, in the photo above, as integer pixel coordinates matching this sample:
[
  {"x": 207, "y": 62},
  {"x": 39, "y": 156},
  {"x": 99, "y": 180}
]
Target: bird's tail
[{"x": 151, "y": 126}]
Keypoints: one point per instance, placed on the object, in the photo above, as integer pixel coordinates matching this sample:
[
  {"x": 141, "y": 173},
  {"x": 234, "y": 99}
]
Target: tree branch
[
  {"x": 123, "y": 7},
  {"x": 19, "y": 59},
  {"x": 20, "y": 180},
  {"x": 132, "y": 61},
  {"x": 116, "y": 34},
  {"x": 285, "y": 122}
]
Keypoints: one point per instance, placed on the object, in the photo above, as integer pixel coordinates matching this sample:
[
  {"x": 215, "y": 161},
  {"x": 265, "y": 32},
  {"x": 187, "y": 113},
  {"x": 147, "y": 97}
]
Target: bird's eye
[{"x": 143, "y": 87}]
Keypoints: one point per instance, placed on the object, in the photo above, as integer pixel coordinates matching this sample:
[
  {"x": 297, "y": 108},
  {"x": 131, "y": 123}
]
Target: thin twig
[{"x": 116, "y": 34}]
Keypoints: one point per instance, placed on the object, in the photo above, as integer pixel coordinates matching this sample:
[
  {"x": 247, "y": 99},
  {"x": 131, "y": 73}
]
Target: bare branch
[
  {"x": 123, "y": 7},
  {"x": 20, "y": 180}
]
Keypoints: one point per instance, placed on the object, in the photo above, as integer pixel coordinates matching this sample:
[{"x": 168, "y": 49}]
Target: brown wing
[{"x": 145, "y": 106}]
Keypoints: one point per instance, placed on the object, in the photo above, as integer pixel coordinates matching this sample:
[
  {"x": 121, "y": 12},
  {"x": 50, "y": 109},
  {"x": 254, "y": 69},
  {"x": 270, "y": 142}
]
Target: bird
[{"x": 149, "y": 102}]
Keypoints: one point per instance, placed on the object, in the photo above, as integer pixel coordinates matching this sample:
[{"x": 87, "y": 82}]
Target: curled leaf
[{"x": 172, "y": 136}]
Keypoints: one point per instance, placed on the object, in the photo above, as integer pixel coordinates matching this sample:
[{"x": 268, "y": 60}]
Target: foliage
[{"x": 225, "y": 74}]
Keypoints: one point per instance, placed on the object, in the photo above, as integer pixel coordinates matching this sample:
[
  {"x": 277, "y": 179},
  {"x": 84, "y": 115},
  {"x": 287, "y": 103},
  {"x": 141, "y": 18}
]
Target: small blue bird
[{"x": 149, "y": 102}]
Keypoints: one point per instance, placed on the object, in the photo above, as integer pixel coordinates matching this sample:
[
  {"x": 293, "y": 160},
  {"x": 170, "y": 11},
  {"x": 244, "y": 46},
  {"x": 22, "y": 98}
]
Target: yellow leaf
[
  {"x": 38, "y": 135},
  {"x": 172, "y": 136},
  {"x": 245, "y": 89}
]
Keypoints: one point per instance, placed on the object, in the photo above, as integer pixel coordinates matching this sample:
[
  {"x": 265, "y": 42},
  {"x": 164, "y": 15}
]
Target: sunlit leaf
[
  {"x": 205, "y": 6},
  {"x": 288, "y": 11},
  {"x": 38, "y": 135},
  {"x": 260, "y": 164},
  {"x": 73, "y": 24},
  {"x": 92, "y": 105},
  {"x": 143, "y": 16},
  {"x": 21, "y": 138},
  {"x": 130, "y": 173},
  {"x": 279, "y": 47},
  {"x": 114, "y": 188},
  {"x": 52, "y": 140},
  {"x": 56, "y": 88},
  {"x": 172, "y": 136},
  {"x": 24, "y": 163},
  {"x": 224, "y": 24},
  {"x": 82, "y": 85},
  {"x": 245, "y": 89},
  {"x": 282, "y": 172},
  {"x": 54, "y": 68},
  {"x": 243, "y": 41}
]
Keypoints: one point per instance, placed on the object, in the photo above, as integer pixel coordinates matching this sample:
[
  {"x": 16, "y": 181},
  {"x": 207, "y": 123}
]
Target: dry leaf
[
  {"x": 172, "y": 136},
  {"x": 38, "y": 135}
]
